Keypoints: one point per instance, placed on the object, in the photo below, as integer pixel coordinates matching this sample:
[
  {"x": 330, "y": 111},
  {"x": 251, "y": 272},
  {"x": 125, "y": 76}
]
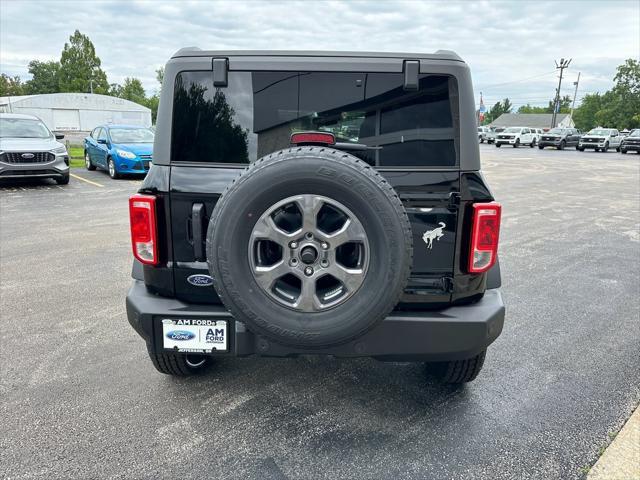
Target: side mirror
[
  {"x": 59, "y": 136},
  {"x": 102, "y": 141}
]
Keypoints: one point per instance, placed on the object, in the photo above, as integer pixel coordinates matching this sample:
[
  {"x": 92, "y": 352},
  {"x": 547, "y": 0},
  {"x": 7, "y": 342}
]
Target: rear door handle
[{"x": 197, "y": 221}]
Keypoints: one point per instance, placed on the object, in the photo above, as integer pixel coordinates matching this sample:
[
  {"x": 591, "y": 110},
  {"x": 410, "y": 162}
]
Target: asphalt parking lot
[{"x": 82, "y": 400}]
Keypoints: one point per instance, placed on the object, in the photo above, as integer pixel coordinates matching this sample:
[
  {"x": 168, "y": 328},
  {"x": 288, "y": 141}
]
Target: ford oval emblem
[
  {"x": 27, "y": 156},
  {"x": 180, "y": 335},
  {"x": 200, "y": 280}
]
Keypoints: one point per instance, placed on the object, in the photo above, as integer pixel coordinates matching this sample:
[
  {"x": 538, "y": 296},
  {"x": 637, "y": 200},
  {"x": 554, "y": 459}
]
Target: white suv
[
  {"x": 516, "y": 136},
  {"x": 600, "y": 139},
  {"x": 482, "y": 134}
]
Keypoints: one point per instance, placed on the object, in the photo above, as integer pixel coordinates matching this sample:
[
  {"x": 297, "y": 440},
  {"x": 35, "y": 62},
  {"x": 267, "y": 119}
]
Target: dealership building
[{"x": 77, "y": 113}]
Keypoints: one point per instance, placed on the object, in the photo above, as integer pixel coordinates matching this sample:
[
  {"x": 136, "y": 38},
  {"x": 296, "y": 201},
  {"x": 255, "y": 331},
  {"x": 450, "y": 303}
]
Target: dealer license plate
[{"x": 194, "y": 335}]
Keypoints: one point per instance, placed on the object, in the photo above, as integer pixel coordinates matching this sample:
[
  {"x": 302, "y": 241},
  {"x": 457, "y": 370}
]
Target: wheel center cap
[{"x": 308, "y": 255}]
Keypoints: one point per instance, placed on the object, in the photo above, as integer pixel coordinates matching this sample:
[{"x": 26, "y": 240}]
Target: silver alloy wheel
[
  {"x": 317, "y": 252},
  {"x": 87, "y": 160},
  {"x": 112, "y": 168}
]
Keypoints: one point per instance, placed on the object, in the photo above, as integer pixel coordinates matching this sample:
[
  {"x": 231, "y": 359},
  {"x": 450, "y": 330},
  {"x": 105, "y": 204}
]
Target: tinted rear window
[{"x": 258, "y": 111}]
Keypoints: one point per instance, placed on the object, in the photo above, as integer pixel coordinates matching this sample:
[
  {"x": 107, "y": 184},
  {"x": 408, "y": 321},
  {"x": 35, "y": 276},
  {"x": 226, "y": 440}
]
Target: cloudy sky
[{"x": 510, "y": 46}]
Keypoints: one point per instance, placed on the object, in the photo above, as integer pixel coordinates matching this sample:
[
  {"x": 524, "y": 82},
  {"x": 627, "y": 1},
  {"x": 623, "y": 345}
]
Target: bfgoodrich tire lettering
[{"x": 310, "y": 171}]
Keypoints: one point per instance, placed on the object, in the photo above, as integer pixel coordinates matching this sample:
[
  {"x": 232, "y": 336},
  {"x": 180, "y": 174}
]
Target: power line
[{"x": 515, "y": 81}]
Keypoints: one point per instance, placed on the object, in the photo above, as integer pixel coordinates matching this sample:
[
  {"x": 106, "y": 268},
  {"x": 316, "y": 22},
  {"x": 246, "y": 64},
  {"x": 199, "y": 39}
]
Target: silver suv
[{"x": 28, "y": 149}]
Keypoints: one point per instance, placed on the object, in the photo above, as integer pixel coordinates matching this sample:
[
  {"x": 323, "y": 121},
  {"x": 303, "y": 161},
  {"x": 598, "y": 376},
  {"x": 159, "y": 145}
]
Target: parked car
[
  {"x": 301, "y": 241},
  {"x": 537, "y": 132},
  {"x": 600, "y": 139},
  {"x": 482, "y": 134},
  {"x": 631, "y": 143},
  {"x": 119, "y": 149},
  {"x": 28, "y": 149},
  {"x": 490, "y": 136},
  {"x": 559, "y": 138},
  {"x": 516, "y": 136}
]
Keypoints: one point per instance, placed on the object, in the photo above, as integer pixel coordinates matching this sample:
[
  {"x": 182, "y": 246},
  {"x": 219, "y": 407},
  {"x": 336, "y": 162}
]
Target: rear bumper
[{"x": 450, "y": 334}]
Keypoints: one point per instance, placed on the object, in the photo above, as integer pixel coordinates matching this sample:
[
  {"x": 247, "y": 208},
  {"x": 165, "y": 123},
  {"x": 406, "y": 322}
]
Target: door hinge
[{"x": 197, "y": 228}]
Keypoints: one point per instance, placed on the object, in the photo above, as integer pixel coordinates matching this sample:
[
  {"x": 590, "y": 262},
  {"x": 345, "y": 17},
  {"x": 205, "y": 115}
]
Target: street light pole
[
  {"x": 575, "y": 94},
  {"x": 562, "y": 65}
]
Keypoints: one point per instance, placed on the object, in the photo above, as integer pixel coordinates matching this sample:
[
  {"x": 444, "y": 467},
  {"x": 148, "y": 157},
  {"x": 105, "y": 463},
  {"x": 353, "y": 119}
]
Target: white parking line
[{"x": 85, "y": 180}]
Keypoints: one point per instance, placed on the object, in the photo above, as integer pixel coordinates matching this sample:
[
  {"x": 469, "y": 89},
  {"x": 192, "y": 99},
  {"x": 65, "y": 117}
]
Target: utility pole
[
  {"x": 575, "y": 94},
  {"x": 556, "y": 104}
]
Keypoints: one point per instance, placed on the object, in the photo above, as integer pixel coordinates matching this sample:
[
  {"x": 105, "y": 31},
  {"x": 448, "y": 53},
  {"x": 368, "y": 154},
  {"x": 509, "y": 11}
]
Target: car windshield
[
  {"x": 131, "y": 135},
  {"x": 23, "y": 128},
  {"x": 599, "y": 131},
  {"x": 556, "y": 130},
  {"x": 635, "y": 133},
  {"x": 512, "y": 130}
]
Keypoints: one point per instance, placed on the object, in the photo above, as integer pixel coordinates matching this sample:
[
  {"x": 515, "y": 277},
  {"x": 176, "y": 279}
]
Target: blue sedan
[{"x": 119, "y": 149}]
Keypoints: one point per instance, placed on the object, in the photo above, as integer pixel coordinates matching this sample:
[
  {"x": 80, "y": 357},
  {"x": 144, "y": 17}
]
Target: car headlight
[
  {"x": 125, "y": 154},
  {"x": 62, "y": 149}
]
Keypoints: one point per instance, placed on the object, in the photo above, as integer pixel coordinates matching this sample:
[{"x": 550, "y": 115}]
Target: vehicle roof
[
  {"x": 197, "y": 52},
  {"x": 19, "y": 115}
]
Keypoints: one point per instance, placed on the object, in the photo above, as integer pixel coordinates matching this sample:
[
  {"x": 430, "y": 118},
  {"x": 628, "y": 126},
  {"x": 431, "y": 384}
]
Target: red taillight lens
[
  {"x": 144, "y": 236},
  {"x": 313, "y": 137},
  {"x": 484, "y": 236}
]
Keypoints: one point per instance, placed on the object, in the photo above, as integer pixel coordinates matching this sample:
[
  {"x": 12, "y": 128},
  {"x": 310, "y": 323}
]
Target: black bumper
[
  {"x": 630, "y": 148},
  {"x": 450, "y": 334}
]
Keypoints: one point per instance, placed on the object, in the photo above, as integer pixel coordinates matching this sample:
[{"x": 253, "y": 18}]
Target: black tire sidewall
[{"x": 389, "y": 244}]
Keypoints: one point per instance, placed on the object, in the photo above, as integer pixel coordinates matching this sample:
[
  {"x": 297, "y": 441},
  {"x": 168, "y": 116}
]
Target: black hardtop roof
[{"x": 197, "y": 52}]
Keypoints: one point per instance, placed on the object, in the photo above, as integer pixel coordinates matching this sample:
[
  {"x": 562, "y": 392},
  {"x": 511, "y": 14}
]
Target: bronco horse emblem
[{"x": 435, "y": 234}]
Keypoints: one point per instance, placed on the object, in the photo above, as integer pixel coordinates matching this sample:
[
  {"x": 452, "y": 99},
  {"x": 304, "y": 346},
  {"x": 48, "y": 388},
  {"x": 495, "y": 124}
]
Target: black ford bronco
[{"x": 316, "y": 203}]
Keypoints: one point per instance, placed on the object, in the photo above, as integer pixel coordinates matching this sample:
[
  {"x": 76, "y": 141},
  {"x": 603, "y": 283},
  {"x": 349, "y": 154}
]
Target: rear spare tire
[{"x": 309, "y": 247}]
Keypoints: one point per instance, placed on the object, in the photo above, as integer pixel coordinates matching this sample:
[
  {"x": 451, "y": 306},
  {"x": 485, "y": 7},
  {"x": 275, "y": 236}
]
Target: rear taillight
[
  {"x": 313, "y": 138},
  {"x": 144, "y": 233},
  {"x": 484, "y": 236}
]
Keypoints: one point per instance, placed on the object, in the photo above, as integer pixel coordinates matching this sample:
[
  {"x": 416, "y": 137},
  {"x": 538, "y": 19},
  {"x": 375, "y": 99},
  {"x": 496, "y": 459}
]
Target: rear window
[{"x": 258, "y": 111}]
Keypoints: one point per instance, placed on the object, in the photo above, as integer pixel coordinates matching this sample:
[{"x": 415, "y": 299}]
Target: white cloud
[{"x": 502, "y": 41}]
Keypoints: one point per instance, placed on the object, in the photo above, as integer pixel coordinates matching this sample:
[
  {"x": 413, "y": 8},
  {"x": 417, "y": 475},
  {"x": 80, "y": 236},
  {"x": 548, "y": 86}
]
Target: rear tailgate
[{"x": 217, "y": 130}]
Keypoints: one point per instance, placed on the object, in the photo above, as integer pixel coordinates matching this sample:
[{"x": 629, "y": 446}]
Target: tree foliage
[
  {"x": 498, "y": 109},
  {"x": 80, "y": 67},
  {"x": 617, "y": 108},
  {"x": 10, "y": 86},
  {"x": 45, "y": 77},
  {"x": 565, "y": 106}
]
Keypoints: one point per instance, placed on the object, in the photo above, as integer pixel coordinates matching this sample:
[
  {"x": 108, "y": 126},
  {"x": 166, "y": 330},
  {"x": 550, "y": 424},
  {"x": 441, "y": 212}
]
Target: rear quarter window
[{"x": 258, "y": 111}]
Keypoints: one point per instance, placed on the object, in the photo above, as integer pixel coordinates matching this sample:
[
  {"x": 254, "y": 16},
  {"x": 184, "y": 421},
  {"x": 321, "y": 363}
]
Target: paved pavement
[{"x": 81, "y": 400}]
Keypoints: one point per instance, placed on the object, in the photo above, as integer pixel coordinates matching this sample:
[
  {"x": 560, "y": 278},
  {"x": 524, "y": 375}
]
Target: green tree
[
  {"x": 45, "y": 77},
  {"x": 160, "y": 75},
  {"x": 617, "y": 108},
  {"x": 132, "y": 90},
  {"x": 565, "y": 106},
  {"x": 80, "y": 67},
  {"x": 10, "y": 86},
  {"x": 532, "y": 109},
  {"x": 498, "y": 109},
  {"x": 584, "y": 117}
]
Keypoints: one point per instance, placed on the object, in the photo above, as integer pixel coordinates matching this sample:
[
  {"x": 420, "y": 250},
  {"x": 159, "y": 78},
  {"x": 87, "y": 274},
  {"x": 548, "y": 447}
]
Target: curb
[{"x": 621, "y": 459}]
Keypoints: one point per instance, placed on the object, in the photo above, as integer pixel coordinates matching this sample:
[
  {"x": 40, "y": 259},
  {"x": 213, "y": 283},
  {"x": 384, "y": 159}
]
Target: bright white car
[
  {"x": 516, "y": 136},
  {"x": 600, "y": 139}
]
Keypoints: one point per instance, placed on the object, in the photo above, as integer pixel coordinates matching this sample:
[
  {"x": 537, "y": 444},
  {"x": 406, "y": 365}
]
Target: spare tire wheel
[{"x": 309, "y": 247}]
